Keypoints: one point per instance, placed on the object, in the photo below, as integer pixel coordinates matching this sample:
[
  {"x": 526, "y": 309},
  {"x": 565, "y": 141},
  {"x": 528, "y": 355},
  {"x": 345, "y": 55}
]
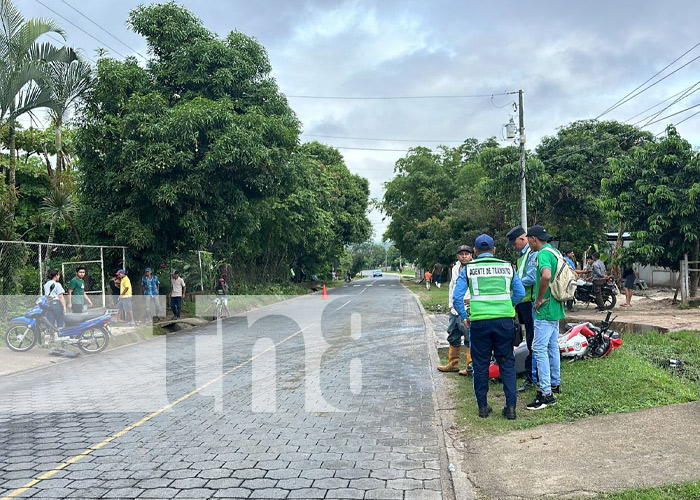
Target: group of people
[{"x": 486, "y": 296}]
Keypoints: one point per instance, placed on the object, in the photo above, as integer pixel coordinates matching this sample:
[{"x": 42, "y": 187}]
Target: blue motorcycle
[{"x": 89, "y": 331}]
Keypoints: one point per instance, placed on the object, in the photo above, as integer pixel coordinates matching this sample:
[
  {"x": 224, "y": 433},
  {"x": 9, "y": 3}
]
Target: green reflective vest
[
  {"x": 521, "y": 266},
  {"x": 489, "y": 285}
]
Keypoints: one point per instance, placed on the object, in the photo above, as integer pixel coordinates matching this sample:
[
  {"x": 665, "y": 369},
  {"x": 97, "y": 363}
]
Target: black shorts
[{"x": 629, "y": 281}]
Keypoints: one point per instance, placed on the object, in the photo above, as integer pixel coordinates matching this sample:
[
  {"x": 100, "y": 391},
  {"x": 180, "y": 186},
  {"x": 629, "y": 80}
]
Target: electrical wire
[
  {"x": 688, "y": 92},
  {"x": 375, "y": 139},
  {"x": 655, "y": 105},
  {"x": 62, "y": 42},
  {"x": 673, "y": 114},
  {"x": 110, "y": 34},
  {"x": 622, "y": 101},
  {"x": 382, "y": 98},
  {"x": 81, "y": 29}
]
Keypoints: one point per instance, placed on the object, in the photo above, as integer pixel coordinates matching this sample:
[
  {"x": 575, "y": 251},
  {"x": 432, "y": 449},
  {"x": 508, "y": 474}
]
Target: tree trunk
[
  {"x": 12, "y": 187},
  {"x": 694, "y": 274},
  {"x": 59, "y": 148}
]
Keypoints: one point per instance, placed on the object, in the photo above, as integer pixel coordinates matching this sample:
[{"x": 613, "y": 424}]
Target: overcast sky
[{"x": 572, "y": 59}]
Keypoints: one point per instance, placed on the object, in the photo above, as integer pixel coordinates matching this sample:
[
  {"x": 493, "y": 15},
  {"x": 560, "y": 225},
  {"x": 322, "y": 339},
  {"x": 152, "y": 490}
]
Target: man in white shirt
[
  {"x": 456, "y": 329},
  {"x": 177, "y": 292}
]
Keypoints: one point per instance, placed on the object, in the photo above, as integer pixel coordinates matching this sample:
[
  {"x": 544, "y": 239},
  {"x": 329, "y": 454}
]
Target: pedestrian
[
  {"x": 151, "y": 292},
  {"x": 437, "y": 274},
  {"x": 629, "y": 277},
  {"x": 428, "y": 279},
  {"x": 494, "y": 289},
  {"x": 114, "y": 286},
  {"x": 292, "y": 275},
  {"x": 456, "y": 329},
  {"x": 125, "y": 294},
  {"x": 177, "y": 292},
  {"x": 570, "y": 259},
  {"x": 526, "y": 268},
  {"x": 221, "y": 290},
  {"x": 599, "y": 279},
  {"x": 57, "y": 303},
  {"x": 76, "y": 292},
  {"x": 548, "y": 312}
]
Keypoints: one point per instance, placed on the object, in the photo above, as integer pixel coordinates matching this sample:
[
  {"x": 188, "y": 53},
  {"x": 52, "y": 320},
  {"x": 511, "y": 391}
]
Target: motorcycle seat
[{"x": 76, "y": 318}]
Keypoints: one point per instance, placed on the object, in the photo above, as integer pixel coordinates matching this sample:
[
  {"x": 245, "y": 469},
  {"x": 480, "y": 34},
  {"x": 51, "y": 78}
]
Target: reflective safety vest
[
  {"x": 521, "y": 266},
  {"x": 489, "y": 282}
]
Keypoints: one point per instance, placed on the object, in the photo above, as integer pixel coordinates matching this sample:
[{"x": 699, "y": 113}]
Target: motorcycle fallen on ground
[
  {"x": 586, "y": 340},
  {"x": 89, "y": 331},
  {"x": 584, "y": 293}
]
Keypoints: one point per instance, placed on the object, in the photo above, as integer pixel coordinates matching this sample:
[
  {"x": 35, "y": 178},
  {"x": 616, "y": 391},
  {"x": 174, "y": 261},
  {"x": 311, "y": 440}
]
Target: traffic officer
[
  {"x": 526, "y": 267},
  {"x": 494, "y": 288}
]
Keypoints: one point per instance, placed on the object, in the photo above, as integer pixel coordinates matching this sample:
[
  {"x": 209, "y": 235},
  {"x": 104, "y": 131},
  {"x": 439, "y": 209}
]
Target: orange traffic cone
[{"x": 324, "y": 296}]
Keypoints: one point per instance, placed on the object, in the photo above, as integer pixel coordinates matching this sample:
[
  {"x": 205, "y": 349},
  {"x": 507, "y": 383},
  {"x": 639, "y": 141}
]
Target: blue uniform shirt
[
  {"x": 530, "y": 267},
  {"x": 516, "y": 287}
]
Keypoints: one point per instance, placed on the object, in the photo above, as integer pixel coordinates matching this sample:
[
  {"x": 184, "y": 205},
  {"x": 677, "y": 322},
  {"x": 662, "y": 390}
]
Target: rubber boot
[
  {"x": 469, "y": 360},
  {"x": 453, "y": 363}
]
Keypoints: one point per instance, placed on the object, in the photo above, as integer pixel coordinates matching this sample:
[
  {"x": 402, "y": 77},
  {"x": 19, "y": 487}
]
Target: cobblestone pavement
[{"x": 307, "y": 398}]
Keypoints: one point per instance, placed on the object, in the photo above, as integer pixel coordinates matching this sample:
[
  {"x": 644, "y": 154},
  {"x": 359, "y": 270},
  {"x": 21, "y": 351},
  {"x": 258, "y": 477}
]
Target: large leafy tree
[{"x": 656, "y": 191}]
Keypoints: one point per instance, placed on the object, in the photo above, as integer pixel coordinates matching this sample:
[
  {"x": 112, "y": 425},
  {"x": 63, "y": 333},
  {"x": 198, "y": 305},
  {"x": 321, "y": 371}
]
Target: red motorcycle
[{"x": 586, "y": 340}]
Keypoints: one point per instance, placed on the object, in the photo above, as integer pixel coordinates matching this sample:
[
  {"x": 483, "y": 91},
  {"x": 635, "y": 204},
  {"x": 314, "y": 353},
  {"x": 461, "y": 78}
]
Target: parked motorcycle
[
  {"x": 584, "y": 293},
  {"x": 586, "y": 340},
  {"x": 89, "y": 331}
]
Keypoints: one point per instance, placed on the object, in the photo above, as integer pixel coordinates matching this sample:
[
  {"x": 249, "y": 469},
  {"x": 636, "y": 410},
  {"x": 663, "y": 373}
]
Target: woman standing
[
  {"x": 629, "y": 277},
  {"x": 57, "y": 304}
]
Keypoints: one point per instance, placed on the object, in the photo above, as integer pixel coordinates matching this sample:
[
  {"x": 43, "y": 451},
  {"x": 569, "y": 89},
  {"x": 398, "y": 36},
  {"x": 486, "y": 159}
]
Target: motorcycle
[
  {"x": 89, "y": 331},
  {"x": 586, "y": 340},
  {"x": 584, "y": 293}
]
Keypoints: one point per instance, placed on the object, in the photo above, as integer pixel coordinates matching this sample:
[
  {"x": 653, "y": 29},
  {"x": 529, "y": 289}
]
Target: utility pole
[{"x": 523, "y": 190}]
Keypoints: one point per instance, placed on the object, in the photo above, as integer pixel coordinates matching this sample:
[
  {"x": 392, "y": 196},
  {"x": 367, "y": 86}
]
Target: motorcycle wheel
[
  {"x": 20, "y": 338},
  {"x": 609, "y": 299},
  {"x": 93, "y": 340}
]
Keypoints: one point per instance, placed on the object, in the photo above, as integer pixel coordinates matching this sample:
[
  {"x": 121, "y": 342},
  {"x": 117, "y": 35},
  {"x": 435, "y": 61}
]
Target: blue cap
[
  {"x": 148, "y": 269},
  {"x": 483, "y": 242},
  {"x": 121, "y": 271}
]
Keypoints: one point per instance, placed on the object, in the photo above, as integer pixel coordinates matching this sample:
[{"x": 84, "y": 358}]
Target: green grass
[
  {"x": 682, "y": 491},
  {"x": 633, "y": 377},
  {"x": 435, "y": 300}
]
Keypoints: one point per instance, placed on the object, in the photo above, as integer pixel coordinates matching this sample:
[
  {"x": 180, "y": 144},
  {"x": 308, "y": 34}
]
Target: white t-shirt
[
  {"x": 178, "y": 286},
  {"x": 57, "y": 289}
]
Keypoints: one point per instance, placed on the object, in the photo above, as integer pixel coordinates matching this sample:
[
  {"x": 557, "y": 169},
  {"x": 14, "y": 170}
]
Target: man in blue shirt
[
  {"x": 570, "y": 259},
  {"x": 494, "y": 289},
  {"x": 151, "y": 290}
]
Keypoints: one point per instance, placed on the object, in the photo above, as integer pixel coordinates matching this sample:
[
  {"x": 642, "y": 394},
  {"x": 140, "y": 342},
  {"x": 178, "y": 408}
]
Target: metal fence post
[{"x": 41, "y": 290}]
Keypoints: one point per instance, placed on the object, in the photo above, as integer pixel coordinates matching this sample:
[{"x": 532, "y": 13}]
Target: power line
[
  {"x": 372, "y": 149},
  {"x": 652, "y": 107},
  {"x": 688, "y": 92},
  {"x": 672, "y": 114},
  {"x": 622, "y": 101},
  {"x": 387, "y": 98},
  {"x": 375, "y": 139},
  {"x": 81, "y": 29},
  {"x": 110, "y": 34},
  {"x": 62, "y": 42}
]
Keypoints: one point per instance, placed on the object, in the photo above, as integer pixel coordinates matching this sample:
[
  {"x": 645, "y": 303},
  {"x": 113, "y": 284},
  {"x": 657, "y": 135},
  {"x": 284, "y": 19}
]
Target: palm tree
[
  {"x": 67, "y": 83},
  {"x": 60, "y": 207},
  {"x": 21, "y": 74}
]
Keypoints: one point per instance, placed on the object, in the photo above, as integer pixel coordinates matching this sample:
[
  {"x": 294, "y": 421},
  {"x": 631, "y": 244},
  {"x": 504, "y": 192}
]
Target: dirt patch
[{"x": 653, "y": 307}]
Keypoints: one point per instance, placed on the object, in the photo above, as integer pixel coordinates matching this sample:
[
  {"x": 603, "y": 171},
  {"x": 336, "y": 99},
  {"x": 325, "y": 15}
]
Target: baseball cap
[
  {"x": 483, "y": 242},
  {"x": 540, "y": 233},
  {"x": 121, "y": 271},
  {"x": 514, "y": 233},
  {"x": 221, "y": 279},
  {"x": 148, "y": 269},
  {"x": 464, "y": 248}
]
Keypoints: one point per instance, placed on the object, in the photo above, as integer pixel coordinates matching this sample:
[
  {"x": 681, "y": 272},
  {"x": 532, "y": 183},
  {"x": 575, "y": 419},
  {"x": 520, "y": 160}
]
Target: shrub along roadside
[
  {"x": 682, "y": 491},
  {"x": 434, "y": 300},
  {"x": 634, "y": 377}
]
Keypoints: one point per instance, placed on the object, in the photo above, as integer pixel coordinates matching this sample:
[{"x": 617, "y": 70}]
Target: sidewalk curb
[{"x": 456, "y": 485}]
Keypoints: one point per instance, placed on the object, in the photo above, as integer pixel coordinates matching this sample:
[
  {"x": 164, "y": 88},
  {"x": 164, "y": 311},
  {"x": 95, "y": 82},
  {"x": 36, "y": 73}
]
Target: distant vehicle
[{"x": 377, "y": 273}]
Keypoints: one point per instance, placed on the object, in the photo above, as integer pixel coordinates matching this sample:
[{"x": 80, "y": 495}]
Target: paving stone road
[{"x": 307, "y": 398}]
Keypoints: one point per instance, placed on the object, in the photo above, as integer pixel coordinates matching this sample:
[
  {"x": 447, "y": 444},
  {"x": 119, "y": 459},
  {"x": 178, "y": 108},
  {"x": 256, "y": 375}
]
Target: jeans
[
  {"x": 55, "y": 314},
  {"x": 455, "y": 331},
  {"x": 176, "y": 306},
  {"x": 152, "y": 306},
  {"x": 527, "y": 318},
  {"x": 495, "y": 336},
  {"x": 546, "y": 351}
]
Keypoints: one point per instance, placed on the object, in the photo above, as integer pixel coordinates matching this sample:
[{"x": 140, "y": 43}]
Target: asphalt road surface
[{"x": 307, "y": 398}]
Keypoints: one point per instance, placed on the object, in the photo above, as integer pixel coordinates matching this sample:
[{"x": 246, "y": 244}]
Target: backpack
[{"x": 563, "y": 282}]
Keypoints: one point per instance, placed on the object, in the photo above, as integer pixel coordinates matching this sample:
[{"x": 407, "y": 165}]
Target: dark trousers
[
  {"x": 176, "y": 306},
  {"x": 525, "y": 317},
  {"x": 455, "y": 331},
  {"x": 55, "y": 314},
  {"x": 598, "y": 291},
  {"x": 495, "y": 336}
]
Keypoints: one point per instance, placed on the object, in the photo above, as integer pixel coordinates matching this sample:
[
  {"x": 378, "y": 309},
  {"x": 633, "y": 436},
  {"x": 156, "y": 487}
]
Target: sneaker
[
  {"x": 556, "y": 389},
  {"x": 131, "y": 323},
  {"x": 541, "y": 401},
  {"x": 509, "y": 412},
  {"x": 484, "y": 411},
  {"x": 526, "y": 385}
]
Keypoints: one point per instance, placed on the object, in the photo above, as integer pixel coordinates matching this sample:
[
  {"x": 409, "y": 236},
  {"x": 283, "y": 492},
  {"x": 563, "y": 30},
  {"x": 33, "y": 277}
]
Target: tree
[
  {"x": 656, "y": 191},
  {"x": 22, "y": 60}
]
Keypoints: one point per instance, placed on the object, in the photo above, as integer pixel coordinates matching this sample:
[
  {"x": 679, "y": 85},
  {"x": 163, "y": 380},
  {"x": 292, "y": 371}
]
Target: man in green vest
[
  {"x": 526, "y": 267},
  {"x": 548, "y": 312},
  {"x": 494, "y": 289}
]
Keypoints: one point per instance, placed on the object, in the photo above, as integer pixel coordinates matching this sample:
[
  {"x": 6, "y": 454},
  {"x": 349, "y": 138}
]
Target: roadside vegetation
[
  {"x": 682, "y": 491},
  {"x": 636, "y": 376}
]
